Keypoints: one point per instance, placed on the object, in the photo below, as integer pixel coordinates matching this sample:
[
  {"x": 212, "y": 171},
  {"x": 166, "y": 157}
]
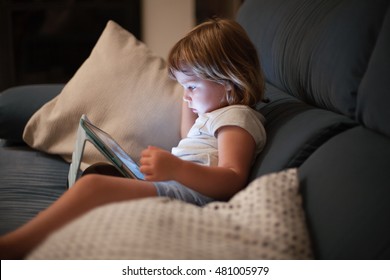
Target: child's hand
[{"x": 158, "y": 164}]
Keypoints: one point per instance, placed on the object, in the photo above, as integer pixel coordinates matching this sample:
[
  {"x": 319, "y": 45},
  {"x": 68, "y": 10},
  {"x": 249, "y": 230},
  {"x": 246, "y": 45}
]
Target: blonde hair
[{"x": 220, "y": 50}]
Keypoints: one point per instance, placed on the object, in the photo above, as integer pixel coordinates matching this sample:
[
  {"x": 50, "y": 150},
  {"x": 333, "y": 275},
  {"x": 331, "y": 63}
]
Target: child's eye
[{"x": 191, "y": 88}]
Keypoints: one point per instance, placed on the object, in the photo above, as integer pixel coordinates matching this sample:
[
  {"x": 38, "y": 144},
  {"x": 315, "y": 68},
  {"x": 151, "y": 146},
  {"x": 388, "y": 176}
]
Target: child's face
[{"x": 202, "y": 96}]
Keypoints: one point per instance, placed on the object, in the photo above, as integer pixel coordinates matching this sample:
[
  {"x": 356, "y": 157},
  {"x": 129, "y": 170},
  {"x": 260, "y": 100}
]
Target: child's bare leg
[{"x": 89, "y": 192}]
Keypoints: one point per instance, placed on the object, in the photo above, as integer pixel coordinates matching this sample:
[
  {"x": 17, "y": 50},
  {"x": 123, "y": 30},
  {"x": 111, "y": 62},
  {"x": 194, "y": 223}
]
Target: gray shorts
[{"x": 176, "y": 190}]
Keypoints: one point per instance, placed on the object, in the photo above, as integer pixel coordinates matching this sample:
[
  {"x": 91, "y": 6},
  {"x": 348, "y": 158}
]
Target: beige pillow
[
  {"x": 124, "y": 89},
  {"x": 264, "y": 221}
]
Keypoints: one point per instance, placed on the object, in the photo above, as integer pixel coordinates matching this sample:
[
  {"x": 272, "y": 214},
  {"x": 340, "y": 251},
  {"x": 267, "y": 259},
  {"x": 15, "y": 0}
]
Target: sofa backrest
[
  {"x": 331, "y": 55},
  {"x": 374, "y": 91},
  {"x": 316, "y": 50}
]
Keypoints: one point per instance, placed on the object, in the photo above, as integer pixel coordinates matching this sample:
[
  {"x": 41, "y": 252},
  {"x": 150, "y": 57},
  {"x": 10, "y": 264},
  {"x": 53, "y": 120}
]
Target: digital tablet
[{"x": 111, "y": 150}]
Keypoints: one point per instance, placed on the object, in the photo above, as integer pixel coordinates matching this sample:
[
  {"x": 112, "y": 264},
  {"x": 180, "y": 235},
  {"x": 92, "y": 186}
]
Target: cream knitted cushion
[
  {"x": 264, "y": 221},
  {"x": 124, "y": 89}
]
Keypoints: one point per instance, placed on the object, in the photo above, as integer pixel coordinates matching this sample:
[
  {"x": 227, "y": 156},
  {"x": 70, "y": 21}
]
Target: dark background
[{"x": 46, "y": 41}]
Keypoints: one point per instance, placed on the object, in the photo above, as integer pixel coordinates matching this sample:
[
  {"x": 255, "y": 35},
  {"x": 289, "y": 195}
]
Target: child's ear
[{"x": 228, "y": 86}]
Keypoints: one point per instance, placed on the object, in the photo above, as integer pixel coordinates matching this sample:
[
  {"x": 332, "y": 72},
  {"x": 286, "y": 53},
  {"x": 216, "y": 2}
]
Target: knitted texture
[{"x": 263, "y": 221}]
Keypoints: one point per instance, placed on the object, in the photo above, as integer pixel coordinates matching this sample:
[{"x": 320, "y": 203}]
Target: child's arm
[
  {"x": 187, "y": 119},
  {"x": 236, "y": 148}
]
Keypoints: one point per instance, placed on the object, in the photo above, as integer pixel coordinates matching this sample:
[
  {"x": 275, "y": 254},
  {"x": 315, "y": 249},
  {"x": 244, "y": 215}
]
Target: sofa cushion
[
  {"x": 18, "y": 104},
  {"x": 294, "y": 131},
  {"x": 29, "y": 182},
  {"x": 264, "y": 221},
  {"x": 124, "y": 89},
  {"x": 374, "y": 91},
  {"x": 345, "y": 187},
  {"x": 315, "y": 50}
]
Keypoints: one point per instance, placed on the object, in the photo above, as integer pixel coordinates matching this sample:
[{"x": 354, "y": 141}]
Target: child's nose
[{"x": 186, "y": 96}]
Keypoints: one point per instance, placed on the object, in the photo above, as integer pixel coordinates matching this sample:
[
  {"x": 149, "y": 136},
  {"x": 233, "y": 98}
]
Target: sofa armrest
[{"x": 18, "y": 104}]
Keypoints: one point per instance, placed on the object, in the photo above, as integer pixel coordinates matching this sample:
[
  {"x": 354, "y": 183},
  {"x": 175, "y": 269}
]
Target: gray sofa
[{"x": 327, "y": 65}]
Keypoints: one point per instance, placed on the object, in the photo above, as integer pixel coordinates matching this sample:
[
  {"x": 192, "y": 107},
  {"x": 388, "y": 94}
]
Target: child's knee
[
  {"x": 87, "y": 184},
  {"x": 88, "y": 179}
]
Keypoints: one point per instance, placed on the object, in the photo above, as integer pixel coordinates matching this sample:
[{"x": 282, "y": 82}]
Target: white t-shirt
[{"x": 201, "y": 144}]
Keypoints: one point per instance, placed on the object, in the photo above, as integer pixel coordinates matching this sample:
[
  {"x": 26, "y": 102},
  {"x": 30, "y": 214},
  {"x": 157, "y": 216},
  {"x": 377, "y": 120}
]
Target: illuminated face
[{"x": 202, "y": 96}]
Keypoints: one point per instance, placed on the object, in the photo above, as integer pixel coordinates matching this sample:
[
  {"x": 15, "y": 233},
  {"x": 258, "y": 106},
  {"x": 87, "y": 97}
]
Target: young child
[{"x": 218, "y": 67}]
